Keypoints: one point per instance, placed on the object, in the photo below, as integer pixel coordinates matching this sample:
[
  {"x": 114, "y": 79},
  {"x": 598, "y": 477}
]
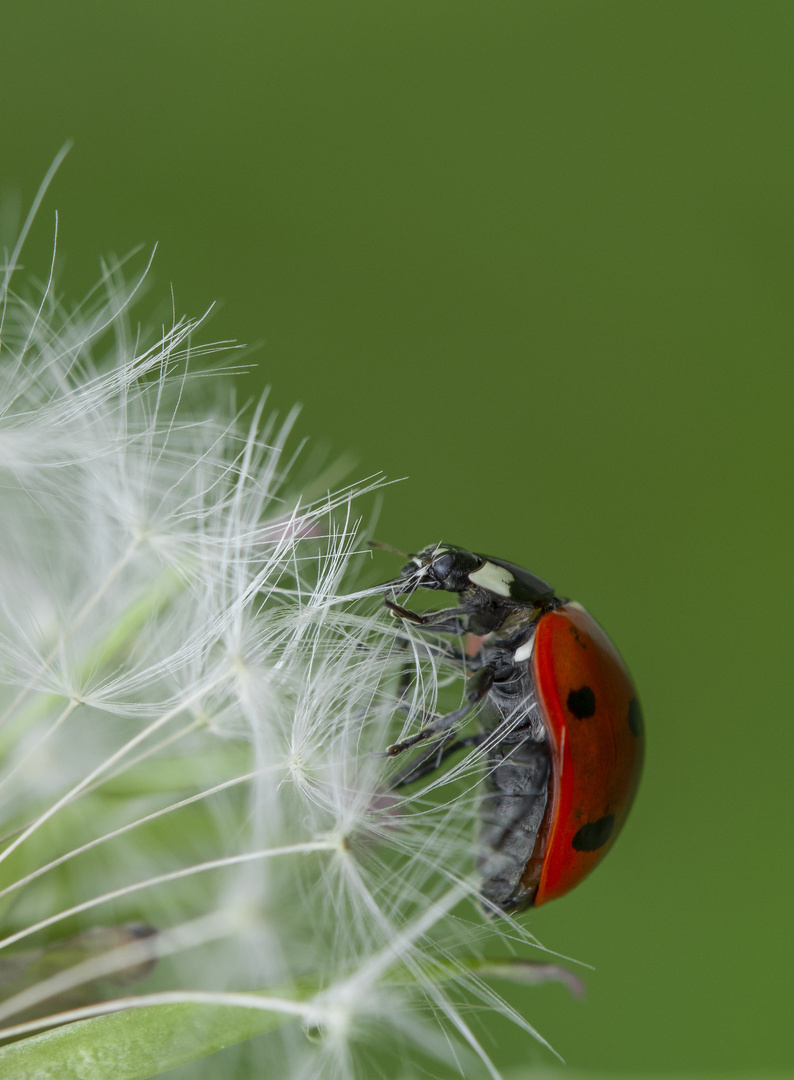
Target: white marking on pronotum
[
  {"x": 523, "y": 652},
  {"x": 492, "y": 577}
]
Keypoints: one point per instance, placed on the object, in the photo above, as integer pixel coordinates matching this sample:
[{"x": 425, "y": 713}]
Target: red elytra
[{"x": 594, "y": 725}]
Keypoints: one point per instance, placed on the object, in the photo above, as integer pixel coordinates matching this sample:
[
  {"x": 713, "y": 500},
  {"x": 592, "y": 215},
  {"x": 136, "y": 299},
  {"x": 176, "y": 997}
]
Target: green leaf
[{"x": 136, "y": 1043}]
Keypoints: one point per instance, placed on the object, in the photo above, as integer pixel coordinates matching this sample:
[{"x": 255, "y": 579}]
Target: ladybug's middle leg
[
  {"x": 443, "y": 650},
  {"x": 431, "y": 758},
  {"x": 476, "y": 689}
]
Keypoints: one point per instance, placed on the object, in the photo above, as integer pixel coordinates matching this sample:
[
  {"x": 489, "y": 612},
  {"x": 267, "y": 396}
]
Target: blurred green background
[{"x": 537, "y": 258}]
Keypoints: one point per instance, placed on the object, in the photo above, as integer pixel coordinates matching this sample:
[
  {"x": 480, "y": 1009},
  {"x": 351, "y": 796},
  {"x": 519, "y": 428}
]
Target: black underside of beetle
[{"x": 518, "y": 769}]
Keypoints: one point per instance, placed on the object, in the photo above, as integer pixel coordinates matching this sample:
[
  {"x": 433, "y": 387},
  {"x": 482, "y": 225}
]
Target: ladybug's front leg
[
  {"x": 449, "y": 621},
  {"x": 476, "y": 689}
]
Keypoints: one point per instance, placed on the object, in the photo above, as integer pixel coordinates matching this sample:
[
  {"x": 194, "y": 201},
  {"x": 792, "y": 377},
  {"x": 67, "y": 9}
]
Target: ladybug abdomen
[
  {"x": 512, "y": 811},
  {"x": 594, "y": 725}
]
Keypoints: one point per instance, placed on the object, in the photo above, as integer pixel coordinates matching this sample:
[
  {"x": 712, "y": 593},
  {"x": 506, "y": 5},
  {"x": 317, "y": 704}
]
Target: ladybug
[{"x": 561, "y": 726}]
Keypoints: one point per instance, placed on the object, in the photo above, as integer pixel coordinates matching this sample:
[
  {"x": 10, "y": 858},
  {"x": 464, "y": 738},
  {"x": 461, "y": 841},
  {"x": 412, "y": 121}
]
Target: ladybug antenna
[{"x": 388, "y": 547}]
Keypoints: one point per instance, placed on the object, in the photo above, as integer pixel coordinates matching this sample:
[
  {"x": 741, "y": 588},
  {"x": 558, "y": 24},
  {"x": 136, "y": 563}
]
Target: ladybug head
[{"x": 441, "y": 566}]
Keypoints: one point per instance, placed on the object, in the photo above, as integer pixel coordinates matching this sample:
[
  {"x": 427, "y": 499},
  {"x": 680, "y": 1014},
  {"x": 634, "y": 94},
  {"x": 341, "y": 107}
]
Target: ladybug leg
[
  {"x": 430, "y": 759},
  {"x": 450, "y": 621},
  {"x": 476, "y": 689},
  {"x": 446, "y": 651},
  {"x": 439, "y": 650}
]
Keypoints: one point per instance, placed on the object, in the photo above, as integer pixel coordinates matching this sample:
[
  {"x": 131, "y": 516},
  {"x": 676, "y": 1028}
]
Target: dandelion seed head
[{"x": 195, "y": 698}]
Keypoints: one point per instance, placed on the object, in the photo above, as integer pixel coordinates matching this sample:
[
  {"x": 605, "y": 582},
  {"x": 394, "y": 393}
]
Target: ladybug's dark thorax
[{"x": 517, "y": 623}]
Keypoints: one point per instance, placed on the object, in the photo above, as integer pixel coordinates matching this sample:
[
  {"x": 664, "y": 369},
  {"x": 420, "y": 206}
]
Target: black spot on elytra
[
  {"x": 636, "y": 723},
  {"x": 582, "y": 702},
  {"x": 594, "y": 834}
]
